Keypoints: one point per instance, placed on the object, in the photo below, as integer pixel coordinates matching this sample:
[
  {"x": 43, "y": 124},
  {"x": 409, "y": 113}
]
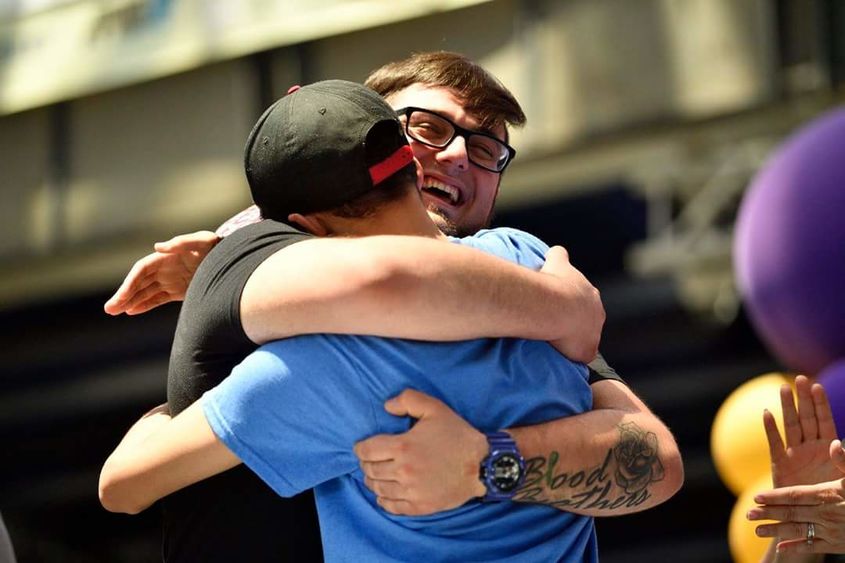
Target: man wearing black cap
[{"x": 277, "y": 442}]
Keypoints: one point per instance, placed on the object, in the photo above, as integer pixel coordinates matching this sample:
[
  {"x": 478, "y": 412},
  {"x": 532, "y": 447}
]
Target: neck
[{"x": 406, "y": 216}]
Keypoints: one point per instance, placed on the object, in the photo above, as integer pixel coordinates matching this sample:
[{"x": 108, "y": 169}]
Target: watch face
[{"x": 506, "y": 472}]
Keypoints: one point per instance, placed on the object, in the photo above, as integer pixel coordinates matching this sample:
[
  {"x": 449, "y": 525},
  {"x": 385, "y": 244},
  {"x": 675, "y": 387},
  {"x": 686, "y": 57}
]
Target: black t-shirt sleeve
[
  {"x": 600, "y": 370},
  {"x": 210, "y": 339}
]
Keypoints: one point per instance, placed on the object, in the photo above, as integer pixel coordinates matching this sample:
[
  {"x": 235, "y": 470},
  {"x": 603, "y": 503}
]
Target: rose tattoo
[{"x": 636, "y": 457}]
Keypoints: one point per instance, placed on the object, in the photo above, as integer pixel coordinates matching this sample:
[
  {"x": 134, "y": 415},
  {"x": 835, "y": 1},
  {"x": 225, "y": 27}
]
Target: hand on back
[
  {"x": 163, "y": 276},
  {"x": 582, "y": 343}
]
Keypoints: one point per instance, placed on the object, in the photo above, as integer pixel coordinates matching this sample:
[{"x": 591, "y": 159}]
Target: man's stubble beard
[
  {"x": 452, "y": 229},
  {"x": 446, "y": 226}
]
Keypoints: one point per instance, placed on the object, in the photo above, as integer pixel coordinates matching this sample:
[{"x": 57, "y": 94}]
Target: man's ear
[{"x": 311, "y": 223}]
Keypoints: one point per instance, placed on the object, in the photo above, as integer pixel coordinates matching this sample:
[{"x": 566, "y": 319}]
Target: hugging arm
[
  {"x": 615, "y": 459},
  {"x": 413, "y": 287},
  {"x": 160, "y": 455},
  {"x": 394, "y": 286}
]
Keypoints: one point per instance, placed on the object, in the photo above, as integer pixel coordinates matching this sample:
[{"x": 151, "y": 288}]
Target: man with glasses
[{"x": 456, "y": 115}]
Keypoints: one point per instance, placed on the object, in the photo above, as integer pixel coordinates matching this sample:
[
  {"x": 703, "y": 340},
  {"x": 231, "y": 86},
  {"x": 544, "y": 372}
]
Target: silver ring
[{"x": 811, "y": 533}]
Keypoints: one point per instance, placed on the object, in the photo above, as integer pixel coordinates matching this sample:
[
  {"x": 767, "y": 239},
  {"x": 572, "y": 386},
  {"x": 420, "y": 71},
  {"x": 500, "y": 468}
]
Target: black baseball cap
[{"x": 321, "y": 146}]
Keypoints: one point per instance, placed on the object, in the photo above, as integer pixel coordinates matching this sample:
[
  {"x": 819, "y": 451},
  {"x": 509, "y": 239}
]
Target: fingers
[
  {"x": 791, "y": 423},
  {"x": 151, "y": 303},
  {"x": 827, "y": 426},
  {"x": 397, "y": 498},
  {"x": 144, "y": 291},
  {"x": 806, "y": 409},
  {"x": 199, "y": 241},
  {"x": 382, "y": 470},
  {"x": 385, "y": 489},
  {"x": 837, "y": 455},
  {"x": 785, "y": 515},
  {"x": 411, "y": 402},
  {"x": 141, "y": 270},
  {"x": 382, "y": 447},
  {"x": 805, "y": 495},
  {"x": 799, "y": 545},
  {"x": 401, "y": 507},
  {"x": 558, "y": 253},
  {"x": 776, "y": 447},
  {"x": 788, "y": 530}
]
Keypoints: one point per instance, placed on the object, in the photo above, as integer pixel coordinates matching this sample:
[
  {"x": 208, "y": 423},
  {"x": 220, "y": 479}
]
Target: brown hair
[{"x": 482, "y": 93}]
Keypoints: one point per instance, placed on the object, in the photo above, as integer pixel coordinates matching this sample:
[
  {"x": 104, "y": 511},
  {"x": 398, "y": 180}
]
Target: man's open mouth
[{"x": 442, "y": 192}]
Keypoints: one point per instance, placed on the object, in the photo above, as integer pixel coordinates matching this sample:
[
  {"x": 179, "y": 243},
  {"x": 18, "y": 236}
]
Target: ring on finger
[{"x": 811, "y": 533}]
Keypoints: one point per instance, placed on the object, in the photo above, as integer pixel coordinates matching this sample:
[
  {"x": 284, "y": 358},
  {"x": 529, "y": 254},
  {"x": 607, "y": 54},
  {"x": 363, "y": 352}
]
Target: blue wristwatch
[{"x": 503, "y": 470}]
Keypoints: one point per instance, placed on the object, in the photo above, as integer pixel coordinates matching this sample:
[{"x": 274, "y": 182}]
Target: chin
[{"x": 446, "y": 226}]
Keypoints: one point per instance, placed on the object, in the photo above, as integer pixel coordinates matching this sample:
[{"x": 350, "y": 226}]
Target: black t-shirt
[{"x": 233, "y": 516}]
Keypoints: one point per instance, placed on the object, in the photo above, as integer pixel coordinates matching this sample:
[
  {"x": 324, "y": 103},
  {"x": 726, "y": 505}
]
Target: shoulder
[
  {"x": 213, "y": 296},
  {"x": 261, "y": 234},
  {"x": 510, "y": 244},
  {"x": 237, "y": 255}
]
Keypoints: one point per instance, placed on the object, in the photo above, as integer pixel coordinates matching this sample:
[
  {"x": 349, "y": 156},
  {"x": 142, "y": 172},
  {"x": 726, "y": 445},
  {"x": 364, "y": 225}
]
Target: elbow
[
  {"x": 673, "y": 466},
  {"x": 113, "y": 494}
]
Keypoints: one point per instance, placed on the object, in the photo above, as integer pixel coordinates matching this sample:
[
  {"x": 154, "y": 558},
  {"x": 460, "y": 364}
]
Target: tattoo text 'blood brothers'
[{"x": 632, "y": 465}]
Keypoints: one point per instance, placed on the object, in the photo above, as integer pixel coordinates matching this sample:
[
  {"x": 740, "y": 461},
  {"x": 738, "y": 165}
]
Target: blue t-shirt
[{"x": 293, "y": 410}]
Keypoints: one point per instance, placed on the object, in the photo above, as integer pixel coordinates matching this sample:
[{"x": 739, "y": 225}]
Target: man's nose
[{"x": 455, "y": 154}]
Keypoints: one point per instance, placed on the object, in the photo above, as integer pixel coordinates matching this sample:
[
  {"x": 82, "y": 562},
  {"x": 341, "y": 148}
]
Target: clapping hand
[{"x": 809, "y": 503}]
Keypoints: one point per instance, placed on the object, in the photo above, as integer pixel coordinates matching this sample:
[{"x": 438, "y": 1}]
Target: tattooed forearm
[{"x": 621, "y": 480}]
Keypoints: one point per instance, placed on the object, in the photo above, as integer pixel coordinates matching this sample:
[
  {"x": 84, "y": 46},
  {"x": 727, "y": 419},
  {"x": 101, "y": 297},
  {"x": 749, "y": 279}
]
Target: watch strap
[{"x": 503, "y": 452}]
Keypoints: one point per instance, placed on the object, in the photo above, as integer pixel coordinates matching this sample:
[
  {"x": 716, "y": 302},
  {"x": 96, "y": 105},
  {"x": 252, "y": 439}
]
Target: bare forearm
[
  {"x": 158, "y": 456},
  {"x": 406, "y": 287},
  {"x": 605, "y": 462},
  {"x": 115, "y": 485}
]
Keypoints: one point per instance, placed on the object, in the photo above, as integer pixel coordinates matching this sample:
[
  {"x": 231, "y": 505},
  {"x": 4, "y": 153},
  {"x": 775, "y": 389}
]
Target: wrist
[
  {"x": 503, "y": 470},
  {"x": 479, "y": 449}
]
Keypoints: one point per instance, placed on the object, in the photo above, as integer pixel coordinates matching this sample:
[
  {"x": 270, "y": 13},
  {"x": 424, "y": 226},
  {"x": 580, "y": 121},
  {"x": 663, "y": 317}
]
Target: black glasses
[{"x": 429, "y": 128}]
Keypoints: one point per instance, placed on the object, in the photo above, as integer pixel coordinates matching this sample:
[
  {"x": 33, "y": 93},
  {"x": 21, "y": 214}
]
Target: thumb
[
  {"x": 411, "y": 402},
  {"x": 557, "y": 253},
  {"x": 837, "y": 455},
  {"x": 199, "y": 240}
]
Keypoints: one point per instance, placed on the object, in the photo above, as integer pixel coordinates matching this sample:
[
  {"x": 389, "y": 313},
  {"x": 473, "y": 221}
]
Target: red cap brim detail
[{"x": 390, "y": 165}]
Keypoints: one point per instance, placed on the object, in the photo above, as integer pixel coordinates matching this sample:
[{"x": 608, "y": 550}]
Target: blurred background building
[{"x": 122, "y": 122}]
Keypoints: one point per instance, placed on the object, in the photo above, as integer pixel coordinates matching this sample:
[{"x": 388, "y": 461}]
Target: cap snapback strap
[{"x": 386, "y": 168}]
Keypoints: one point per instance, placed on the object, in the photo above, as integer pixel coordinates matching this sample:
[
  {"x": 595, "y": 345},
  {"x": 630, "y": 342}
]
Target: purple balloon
[
  {"x": 832, "y": 379},
  {"x": 789, "y": 247}
]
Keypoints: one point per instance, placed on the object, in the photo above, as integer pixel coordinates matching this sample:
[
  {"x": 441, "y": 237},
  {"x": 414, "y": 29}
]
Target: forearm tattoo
[{"x": 621, "y": 480}]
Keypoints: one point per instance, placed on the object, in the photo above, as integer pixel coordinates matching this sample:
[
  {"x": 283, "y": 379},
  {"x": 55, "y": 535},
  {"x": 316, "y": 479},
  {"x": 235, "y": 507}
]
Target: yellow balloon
[
  {"x": 746, "y": 546},
  {"x": 737, "y": 440}
]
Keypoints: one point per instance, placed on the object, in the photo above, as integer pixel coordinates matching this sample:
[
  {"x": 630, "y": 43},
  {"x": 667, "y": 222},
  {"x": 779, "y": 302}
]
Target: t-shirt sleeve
[
  {"x": 527, "y": 250},
  {"x": 284, "y": 412},
  {"x": 510, "y": 244},
  {"x": 220, "y": 287},
  {"x": 210, "y": 339},
  {"x": 600, "y": 370}
]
